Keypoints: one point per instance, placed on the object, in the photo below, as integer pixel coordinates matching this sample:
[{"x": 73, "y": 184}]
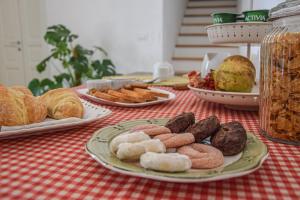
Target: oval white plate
[
  {"x": 84, "y": 92},
  {"x": 91, "y": 113},
  {"x": 244, "y": 163},
  {"x": 235, "y": 100}
]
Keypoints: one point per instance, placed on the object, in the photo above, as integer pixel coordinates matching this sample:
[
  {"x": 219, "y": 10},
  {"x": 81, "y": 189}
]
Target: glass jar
[{"x": 280, "y": 76}]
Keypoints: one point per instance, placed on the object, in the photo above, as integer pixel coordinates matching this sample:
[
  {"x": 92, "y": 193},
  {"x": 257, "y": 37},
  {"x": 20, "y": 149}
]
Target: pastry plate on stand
[
  {"x": 233, "y": 100},
  {"x": 251, "y": 159},
  {"x": 84, "y": 92},
  {"x": 91, "y": 113}
]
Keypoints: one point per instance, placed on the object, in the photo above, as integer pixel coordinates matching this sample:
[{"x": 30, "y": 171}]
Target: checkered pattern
[{"x": 56, "y": 166}]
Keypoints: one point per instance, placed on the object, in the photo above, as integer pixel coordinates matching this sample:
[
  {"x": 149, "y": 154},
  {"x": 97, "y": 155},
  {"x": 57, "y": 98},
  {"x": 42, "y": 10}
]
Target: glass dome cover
[{"x": 285, "y": 9}]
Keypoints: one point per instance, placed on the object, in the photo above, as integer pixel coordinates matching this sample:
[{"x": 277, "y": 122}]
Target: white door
[
  {"x": 22, "y": 45},
  {"x": 12, "y": 70}
]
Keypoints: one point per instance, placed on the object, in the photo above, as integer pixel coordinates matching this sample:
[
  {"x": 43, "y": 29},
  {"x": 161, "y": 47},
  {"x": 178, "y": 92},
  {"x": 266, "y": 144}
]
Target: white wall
[
  {"x": 131, "y": 30},
  {"x": 257, "y": 4},
  {"x": 173, "y": 11}
]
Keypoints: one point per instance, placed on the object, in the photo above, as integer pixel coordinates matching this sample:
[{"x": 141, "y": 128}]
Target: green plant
[{"x": 77, "y": 62}]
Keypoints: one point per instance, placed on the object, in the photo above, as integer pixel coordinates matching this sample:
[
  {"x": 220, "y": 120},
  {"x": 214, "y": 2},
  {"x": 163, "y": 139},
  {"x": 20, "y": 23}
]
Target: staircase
[{"x": 192, "y": 41}]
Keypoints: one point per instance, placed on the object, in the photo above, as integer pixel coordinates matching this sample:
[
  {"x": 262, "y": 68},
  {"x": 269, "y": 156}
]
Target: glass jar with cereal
[{"x": 280, "y": 75}]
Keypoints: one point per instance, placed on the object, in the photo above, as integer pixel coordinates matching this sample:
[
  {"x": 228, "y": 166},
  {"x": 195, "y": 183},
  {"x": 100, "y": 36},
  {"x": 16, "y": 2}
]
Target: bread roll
[
  {"x": 18, "y": 107},
  {"x": 63, "y": 103},
  {"x": 167, "y": 162},
  {"x": 127, "y": 138}
]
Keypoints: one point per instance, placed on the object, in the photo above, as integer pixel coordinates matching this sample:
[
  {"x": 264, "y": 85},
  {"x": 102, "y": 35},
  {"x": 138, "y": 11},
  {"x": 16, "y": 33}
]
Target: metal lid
[{"x": 287, "y": 8}]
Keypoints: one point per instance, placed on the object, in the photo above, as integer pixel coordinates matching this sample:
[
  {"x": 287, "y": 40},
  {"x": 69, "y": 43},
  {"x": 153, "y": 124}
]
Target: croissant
[
  {"x": 20, "y": 108},
  {"x": 22, "y": 89},
  {"x": 63, "y": 103}
]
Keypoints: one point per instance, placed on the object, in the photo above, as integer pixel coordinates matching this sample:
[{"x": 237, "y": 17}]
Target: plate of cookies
[
  {"x": 22, "y": 114},
  {"x": 125, "y": 93},
  {"x": 178, "y": 149}
]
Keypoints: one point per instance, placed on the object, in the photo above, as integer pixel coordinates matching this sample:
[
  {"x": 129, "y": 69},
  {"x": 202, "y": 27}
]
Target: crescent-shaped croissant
[
  {"x": 19, "y": 107},
  {"x": 63, "y": 103}
]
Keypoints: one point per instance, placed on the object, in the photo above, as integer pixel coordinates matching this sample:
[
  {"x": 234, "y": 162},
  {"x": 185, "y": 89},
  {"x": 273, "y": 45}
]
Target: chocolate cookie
[
  {"x": 204, "y": 128},
  {"x": 181, "y": 122},
  {"x": 230, "y": 139}
]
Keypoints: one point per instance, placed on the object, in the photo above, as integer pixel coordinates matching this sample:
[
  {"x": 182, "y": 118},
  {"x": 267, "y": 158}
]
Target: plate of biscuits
[
  {"x": 128, "y": 94},
  {"x": 22, "y": 114},
  {"x": 178, "y": 149}
]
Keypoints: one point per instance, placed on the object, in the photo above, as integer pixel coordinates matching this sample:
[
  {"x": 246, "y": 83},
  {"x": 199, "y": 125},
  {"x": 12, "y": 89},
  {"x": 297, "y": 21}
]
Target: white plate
[
  {"x": 251, "y": 159},
  {"x": 91, "y": 113},
  {"x": 84, "y": 92},
  {"x": 234, "y": 100}
]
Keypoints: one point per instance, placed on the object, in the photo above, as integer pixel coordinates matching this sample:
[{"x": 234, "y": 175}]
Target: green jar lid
[
  {"x": 256, "y": 15},
  {"x": 220, "y": 18}
]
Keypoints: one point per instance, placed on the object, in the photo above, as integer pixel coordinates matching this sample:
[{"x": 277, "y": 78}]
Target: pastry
[
  {"x": 125, "y": 96},
  {"x": 134, "y": 94},
  {"x": 151, "y": 92},
  {"x": 204, "y": 128},
  {"x": 153, "y": 130},
  {"x": 176, "y": 140},
  {"x": 105, "y": 96},
  {"x": 133, "y": 151},
  {"x": 63, "y": 103},
  {"x": 202, "y": 156},
  {"x": 166, "y": 162},
  {"x": 127, "y": 138},
  {"x": 18, "y": 108},
  {"x": 230, "y": 139},
  {"x": 181, "y": 122},
  {"x": 22, "y": 89}
]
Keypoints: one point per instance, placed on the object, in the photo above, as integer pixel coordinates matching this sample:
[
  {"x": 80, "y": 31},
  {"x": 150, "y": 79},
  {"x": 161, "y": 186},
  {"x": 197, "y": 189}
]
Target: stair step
[
  {"x": 192, "y": 34},
  {"x": 193, "y": 20},
  {"x": 211, "y": 3},
  {"x": 196, "y": 24},
  {"x": 202, "y": 46},
  {"x": 211, "y": 6},
  {"x": 200, "y": 52},
  {"x": 193, "y": 40},
  {"x": 197, "y": 15},
  {"x": 187, "y": 58},
  {"x": 207, "y": 11},
  {"x": 192, "y": 29}
]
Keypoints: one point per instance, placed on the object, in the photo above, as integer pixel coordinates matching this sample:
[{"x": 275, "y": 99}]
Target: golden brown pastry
[
  {"x": 22, "y": 89},
  {"x": 19, "y": 108},
  {"x": 63, "y": 103}
]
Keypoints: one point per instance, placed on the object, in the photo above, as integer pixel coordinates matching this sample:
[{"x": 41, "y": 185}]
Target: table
[{"x": 56, "y": 166}]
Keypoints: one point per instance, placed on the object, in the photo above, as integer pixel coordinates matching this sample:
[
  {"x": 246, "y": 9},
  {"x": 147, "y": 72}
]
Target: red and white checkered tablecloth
[{"x": 56, "y": 166}]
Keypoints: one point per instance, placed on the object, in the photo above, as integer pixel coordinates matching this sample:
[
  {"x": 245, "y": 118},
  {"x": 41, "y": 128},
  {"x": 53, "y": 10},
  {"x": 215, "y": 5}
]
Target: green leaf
[
  {"x": 35, "y": 87},
  {"x": 80, "y": 51},
  {"x": 43, "y": 64},
  {"x": 107, "y": 62},
  {"x": 101, "y": 50},
  {"x": 41, "y": 67},
  {"x": 64, "y": 76},
  {"x": 80, "y": 64}
]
